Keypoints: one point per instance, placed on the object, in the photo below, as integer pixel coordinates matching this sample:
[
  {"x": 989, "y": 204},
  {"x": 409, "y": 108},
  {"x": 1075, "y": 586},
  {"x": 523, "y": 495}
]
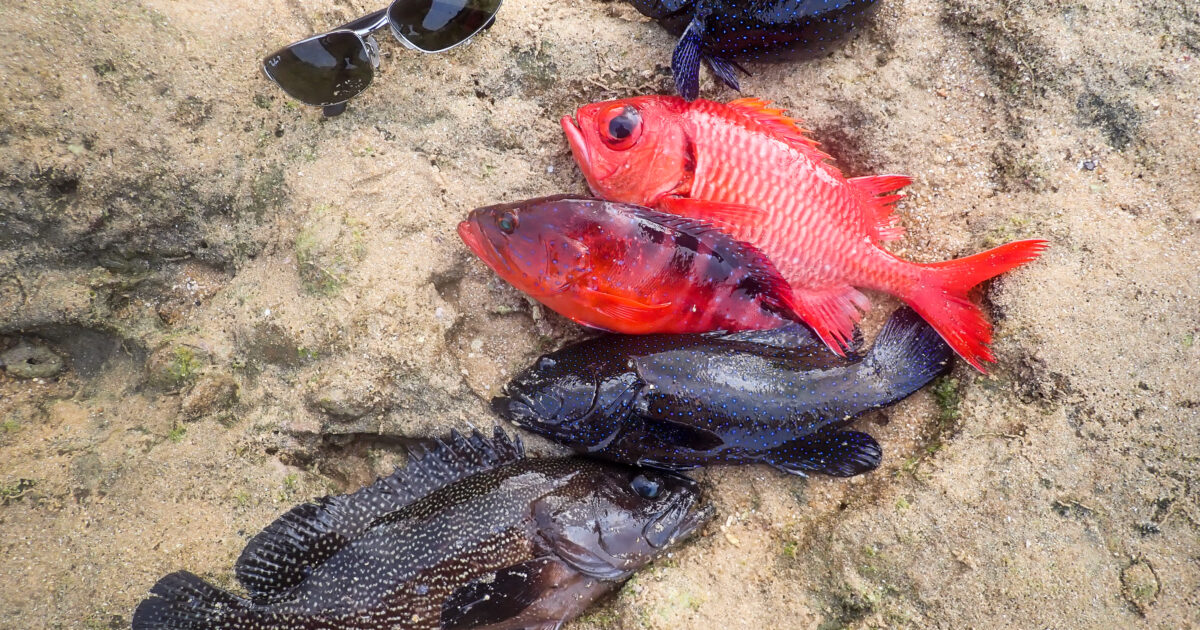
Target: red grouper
[
  {"x": 753, "y": 172},
  {"x": 628, "y": 269}
]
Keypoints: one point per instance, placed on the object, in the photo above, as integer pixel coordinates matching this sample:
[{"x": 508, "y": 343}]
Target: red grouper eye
[
  {"x": 507, "y": 222},
  {"x": 621, "y": 127}
]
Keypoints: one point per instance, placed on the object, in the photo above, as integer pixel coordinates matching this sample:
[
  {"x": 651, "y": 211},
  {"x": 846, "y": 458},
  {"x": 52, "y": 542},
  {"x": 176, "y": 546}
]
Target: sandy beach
[{"x": 215, "y": 304}]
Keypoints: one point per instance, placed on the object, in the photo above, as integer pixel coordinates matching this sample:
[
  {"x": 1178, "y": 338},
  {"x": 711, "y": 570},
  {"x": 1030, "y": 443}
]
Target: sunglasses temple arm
[{"x": 366, "y": 24}]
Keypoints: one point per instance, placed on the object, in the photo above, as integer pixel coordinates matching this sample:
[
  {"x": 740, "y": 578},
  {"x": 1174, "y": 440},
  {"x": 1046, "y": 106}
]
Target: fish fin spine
[
  {"x": 880, "y": 207},
  {"x": 183, "y": 601},
  {"x": 675, "y": 221},
  {"x": 831, "y": 313},
  {"x": 940, "y": 296},
  {"x": 781, "y": 126}
]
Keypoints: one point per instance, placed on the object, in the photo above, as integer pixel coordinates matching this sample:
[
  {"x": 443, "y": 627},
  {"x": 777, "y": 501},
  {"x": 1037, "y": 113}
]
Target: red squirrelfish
[
  {"x": 753, "y": 172},
  {"x": 626, "y": 268}
]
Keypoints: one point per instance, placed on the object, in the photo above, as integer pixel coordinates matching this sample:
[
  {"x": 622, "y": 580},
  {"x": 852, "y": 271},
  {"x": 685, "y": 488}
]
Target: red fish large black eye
[
  {"x": 507, "y": 222},
  {"x": 621, "y": 127}
]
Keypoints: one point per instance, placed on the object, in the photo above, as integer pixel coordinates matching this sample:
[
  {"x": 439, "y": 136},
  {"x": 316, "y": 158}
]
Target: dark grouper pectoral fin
[
  {"x": 725, "y": 70},
  {"x": 685, "y": 61},
  {"x": 506, "y": 595},
  {"x": 837, "y": 453},
  {"x": 281, "y": 556}
]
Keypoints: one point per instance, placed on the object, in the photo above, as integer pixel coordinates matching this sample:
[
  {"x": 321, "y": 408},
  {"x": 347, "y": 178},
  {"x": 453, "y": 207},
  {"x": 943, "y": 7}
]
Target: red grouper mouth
[{"x": 472, "y": 235}]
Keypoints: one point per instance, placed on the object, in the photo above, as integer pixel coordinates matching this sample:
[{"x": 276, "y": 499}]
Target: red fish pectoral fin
[
  {"x": 623, "y": 308},
  {"x": 879, "y": 209},
  {"x": 831, "y": 313},
  {"x": 731, "y": 218}
]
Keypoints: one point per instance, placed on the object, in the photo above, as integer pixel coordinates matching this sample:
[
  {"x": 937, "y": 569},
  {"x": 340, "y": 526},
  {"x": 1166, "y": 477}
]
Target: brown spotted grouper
[{"x": 471, "y": 534}]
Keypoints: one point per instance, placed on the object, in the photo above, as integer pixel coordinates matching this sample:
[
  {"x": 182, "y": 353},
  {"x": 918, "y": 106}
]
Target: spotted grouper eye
[
  {"x": 621, "y": 127},
  {"x": 507, "y": 222},
  {"x": 645, "y": 487}
]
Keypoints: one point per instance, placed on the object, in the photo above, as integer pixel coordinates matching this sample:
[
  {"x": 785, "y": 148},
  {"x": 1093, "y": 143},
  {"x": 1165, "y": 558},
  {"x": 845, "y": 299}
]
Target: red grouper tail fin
[{"x": 941, "y": 296}]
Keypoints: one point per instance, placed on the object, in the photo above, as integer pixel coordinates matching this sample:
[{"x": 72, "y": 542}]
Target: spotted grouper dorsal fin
[{"x": 281, "y": 556}]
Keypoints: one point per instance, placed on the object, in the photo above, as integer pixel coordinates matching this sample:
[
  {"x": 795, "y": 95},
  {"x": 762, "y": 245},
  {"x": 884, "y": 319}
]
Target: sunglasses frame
[{"x": 364, "y": 29}]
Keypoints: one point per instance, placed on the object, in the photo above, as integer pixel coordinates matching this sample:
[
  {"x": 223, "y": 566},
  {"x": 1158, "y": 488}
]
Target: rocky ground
[{"x": 214, "y": 304}]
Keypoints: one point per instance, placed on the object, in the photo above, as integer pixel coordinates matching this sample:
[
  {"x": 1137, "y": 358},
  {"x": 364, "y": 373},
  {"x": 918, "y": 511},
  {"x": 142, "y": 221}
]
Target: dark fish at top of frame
[
  {"x": 718, "y": 32},
  {"x": 471, "y": 534},
  {"x": 778, "y": 397}
]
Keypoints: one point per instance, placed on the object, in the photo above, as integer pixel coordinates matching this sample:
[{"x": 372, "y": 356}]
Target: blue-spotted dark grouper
[
  {"x": 471, "y": 534},
  {"x": 778, "y": 397},
  {"x": 721, "y": 31}
]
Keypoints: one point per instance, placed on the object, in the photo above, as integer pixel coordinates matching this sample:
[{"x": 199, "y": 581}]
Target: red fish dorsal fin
[
  {"x": 786, "y": 129},
  {"x": 879, "y": 206}
]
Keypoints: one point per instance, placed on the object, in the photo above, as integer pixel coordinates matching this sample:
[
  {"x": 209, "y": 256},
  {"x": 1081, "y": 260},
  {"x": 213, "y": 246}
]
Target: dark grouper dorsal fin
[{"x": 281, "y": 556}]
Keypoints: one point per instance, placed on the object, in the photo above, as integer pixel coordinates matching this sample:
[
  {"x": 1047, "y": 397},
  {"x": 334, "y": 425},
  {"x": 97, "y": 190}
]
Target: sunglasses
[{"x": 329, "y": 69}]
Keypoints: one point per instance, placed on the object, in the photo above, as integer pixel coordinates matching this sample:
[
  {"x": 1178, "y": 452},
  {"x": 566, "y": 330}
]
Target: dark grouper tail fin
[
  {"x": 908, "y": 353},
  {"x": 183, "y": 601}
]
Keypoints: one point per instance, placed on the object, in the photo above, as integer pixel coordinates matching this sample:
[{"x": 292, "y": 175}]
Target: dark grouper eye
[
  {"x": 644, "y": 486},
  {"x": 623, "y": 128},
  {"x": 507, "y": 222}
]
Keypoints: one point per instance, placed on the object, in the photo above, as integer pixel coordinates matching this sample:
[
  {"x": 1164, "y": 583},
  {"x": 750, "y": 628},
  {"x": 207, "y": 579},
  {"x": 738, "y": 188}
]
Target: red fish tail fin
[{"x": 941, "y": 297}]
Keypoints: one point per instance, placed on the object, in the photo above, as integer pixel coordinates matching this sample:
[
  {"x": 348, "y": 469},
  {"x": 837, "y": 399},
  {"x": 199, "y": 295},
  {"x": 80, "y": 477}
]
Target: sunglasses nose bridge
[{"x": 372, "y": 48}]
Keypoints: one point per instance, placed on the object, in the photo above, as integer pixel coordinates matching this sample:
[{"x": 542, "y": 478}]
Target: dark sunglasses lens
[
  {"x": 323, "y": 70},
  {"x": 434, "y": 25}
]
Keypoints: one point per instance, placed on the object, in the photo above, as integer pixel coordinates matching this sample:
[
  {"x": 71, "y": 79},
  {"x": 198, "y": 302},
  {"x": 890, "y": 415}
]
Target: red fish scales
[{"x": 809, "y": 219}]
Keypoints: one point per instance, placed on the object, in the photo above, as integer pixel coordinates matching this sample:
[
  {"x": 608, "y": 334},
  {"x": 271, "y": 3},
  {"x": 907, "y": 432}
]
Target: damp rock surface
[
  {"x": 31, "y": 360},
  {"x": 255, "y": 306}
]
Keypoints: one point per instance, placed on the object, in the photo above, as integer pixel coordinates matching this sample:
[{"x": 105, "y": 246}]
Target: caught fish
[
  {"x": 471, "y": 534},
  {"x": 753, "y": 172},
  {"x": 718, "y": 32},
  {"x": 777, "y": 397},
  {"x": 628, "y": 269}
]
